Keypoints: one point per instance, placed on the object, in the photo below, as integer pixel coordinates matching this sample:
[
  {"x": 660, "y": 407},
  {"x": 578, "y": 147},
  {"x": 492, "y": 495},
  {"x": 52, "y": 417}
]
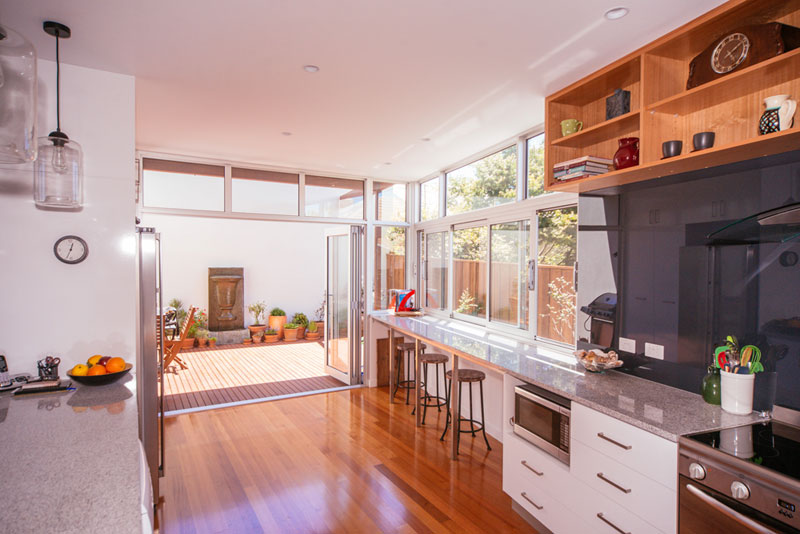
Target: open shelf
[
  {"x": 774, "y": 71},
  {"x": 765, "y": 145},
  {"x": 610, "y": 129}
]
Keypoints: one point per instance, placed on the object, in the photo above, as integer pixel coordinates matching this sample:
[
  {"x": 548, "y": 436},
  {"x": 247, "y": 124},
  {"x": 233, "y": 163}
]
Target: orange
[
  {"x": 97, "y": 370},
  {"x": 94, "y": 359},
  {"x": 115, "y": 365},
  {"x": 79, "y": 370}
]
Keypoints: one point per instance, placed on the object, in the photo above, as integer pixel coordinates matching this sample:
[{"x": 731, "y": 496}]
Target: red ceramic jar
[{"x": 628, "y": 153}]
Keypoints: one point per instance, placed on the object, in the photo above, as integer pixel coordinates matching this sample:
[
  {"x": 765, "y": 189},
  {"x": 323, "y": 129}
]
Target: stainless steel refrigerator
[{"x": 150, "y": 356}]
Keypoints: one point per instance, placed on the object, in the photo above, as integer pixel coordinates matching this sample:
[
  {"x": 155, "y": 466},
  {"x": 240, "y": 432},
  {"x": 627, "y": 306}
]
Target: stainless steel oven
[{"x": 542, "y": 417}]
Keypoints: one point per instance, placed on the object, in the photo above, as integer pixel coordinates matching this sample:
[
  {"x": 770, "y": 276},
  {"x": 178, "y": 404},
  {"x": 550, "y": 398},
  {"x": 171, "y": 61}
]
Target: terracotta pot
[
  {"x": 256, "y": 329},
  {"x": 202, "y": 342},
  {"x": 188, "y": 343},
  {"x": 270, "y": 339},
  {"x": 301, "y": 333},
  {"x": 247, "y": 341},
  {"x": 312, "y": 335},
  {"x": 276, "y": 323},
  {"x": 290, "y": 334},
  {"x": 212, "y": 342},
  {"x": 628, "y": 153}
]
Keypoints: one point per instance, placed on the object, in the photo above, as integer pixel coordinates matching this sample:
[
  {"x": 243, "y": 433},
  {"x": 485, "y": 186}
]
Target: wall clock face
[
  {"x": 729, "y": 53},
  {"x": 71, "y": 249}
]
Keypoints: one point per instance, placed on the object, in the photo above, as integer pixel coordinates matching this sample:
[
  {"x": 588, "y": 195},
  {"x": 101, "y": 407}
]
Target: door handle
[
  {"x": 615, "y": 442},
  {"x": 525, "y": 496},
  {"x": 535, "y": 472},
  {"x": 602, "y": 477},
  {"x": 531, "y": 275},
  {"x": 602, "y": 518}
]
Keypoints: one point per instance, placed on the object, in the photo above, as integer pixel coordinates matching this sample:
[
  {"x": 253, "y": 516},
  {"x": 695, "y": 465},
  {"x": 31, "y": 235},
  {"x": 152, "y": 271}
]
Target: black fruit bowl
[{"x": 101, "y": 380}]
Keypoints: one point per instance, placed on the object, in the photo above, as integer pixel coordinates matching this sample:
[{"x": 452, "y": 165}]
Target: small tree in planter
[
  {"x": 202, "y": 337},
  {"x": 277, "y": 320},
  {"x": 257, "y": 309},
  {"x": 300, "y": 320},
  {"x": 313, "y": 331},
  {"x": 290, "y": 331},
  {"x": 270, "y": 335},
  {"x": 212, "y": 342},
  {"x": 200, "y": 323}
]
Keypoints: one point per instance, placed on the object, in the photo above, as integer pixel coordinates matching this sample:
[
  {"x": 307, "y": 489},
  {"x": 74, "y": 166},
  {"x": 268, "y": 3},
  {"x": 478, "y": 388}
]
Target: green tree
[
  {"x": 536, "y": 166},
  {"x": 489, "y": 182},
  {"x": 558, "y": 236}
]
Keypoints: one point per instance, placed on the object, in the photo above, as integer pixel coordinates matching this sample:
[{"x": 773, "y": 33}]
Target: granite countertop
[
  {"x": 662, "y": 410},
  {"x": 70, "y": 461}
]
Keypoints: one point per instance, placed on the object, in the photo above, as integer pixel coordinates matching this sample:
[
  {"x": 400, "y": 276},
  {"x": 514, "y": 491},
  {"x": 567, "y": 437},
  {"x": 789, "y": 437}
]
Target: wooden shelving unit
[{"x": 662, "y": 109}]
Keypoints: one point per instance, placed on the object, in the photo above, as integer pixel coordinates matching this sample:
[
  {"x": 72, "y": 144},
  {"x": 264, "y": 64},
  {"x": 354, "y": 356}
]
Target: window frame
[{"x": 446, "y": 174}]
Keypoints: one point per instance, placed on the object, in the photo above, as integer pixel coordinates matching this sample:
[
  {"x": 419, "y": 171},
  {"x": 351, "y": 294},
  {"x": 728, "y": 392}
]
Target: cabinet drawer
[
  {"x": 605, "y": 516},
  {"x": 632, "y": 490},
  {"x": 525, "y": 462},
  {"x": 651, "y": 455}
]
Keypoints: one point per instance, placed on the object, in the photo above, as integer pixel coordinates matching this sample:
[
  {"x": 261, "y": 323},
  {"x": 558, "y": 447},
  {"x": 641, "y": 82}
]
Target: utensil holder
[
  {"x": 737, "y": 392},
  {"x": 48, "y": 372}
]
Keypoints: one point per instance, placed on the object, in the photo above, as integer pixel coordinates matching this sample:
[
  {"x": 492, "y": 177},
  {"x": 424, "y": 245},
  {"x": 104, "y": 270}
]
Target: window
[
  {"x": 556, "y": 255},
  {"x": 334, "y": 197},
  {"x": 390, "y": 201},
  {"x": 437, "y": 256},
  {"x": 175, "y": 184},
  {"x": 264, "y": 191},
  {"x": 510, "y": 251},
  {"x": 469, "y": 270},
  {"x": 536, "y": 166},
  {"x": 390, "y": 263},
  {"x": 491, "y": 181},
  {"x": 429, "y": 200}
]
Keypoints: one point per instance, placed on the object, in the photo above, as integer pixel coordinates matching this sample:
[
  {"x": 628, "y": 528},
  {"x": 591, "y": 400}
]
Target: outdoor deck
[{"x": 233, "y": 373}]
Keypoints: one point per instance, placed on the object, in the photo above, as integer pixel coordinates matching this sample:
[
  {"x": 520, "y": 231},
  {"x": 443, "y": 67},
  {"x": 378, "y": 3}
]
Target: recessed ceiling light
[
  {"x": 310, "y": 68},
  {"x": 616, "y": 13},
  {"x": 287, "y": 134},
  {"x": 387, "y": 163},
  {"x": 425, "y": 139}
]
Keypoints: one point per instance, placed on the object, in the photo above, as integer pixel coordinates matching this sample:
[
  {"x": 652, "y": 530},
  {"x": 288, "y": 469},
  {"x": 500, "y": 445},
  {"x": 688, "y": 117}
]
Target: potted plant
[
  {"x": 319, "y": 315},
  {"x": 202, "y": 337},
  {"x": 212, "y": 342},
  {"x": 180, "y": 316},
  {"x": 313, "y": 331},
  {"x": 257, "y": 309},
  {"x": 300, "y": 320},
  {"x": 290, "y": 332},
  {"x": 277, "y": 319},
  {"x": 270, "y": 335}
]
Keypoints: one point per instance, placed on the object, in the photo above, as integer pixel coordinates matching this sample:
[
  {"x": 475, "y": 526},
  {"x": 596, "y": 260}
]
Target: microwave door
[{"x": 539, "y": 421}]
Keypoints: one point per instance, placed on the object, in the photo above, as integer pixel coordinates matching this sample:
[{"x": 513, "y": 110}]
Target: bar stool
[
  {"x": 428, "y": 400},
  {"x": 470, "y": 376},
  {"x": 407, "y": 349}
]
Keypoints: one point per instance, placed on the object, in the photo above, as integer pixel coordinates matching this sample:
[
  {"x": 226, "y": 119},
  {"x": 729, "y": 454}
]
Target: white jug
[{"x": 786, "y": 109}]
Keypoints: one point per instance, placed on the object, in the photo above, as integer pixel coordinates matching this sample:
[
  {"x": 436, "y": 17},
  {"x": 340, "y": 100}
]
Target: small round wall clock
[
  {"x": 71, "y": 249},
  {"x": 729, "y": 53}
]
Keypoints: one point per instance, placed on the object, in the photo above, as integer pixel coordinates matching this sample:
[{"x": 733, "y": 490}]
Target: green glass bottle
[{"x": 712, "y": 388}]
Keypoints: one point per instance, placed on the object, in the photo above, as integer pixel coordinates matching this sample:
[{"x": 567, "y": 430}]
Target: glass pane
[
  {"x": 338, "y": 300},
  {"x": 264, "y": 191},
  {"x": 469, "y": 270},
  {"x": 536, "y": 166},
  {"x": 510, "y": 254},
  {"x": 429, "y": 200},
  {"x": 557, "y": 240},
  {"x": 390, "y": 201},
  {"x": 334, "y": 197},
  {"x": 437, "y": 256},
  {"x": 390, "y": 263},
  {"x": 191, "y": 186},
  {"x": 491, "y": 181}
]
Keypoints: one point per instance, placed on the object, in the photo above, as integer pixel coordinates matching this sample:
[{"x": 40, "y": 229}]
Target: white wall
[
  {"x": 48, "y": 307},
  {"x": 284, "y": 263}
]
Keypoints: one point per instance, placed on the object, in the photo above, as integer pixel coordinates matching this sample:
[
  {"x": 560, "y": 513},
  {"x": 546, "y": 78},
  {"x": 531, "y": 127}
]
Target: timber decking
[{"x": 235, "y": 373}]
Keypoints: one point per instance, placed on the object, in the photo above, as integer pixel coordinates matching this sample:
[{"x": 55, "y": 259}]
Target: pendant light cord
[{"x": 58, "y": 88}]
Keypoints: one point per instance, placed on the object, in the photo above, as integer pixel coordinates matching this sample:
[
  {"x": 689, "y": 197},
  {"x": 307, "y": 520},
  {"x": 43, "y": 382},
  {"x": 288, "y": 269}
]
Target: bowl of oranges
[{"x": 99, "y": 370}]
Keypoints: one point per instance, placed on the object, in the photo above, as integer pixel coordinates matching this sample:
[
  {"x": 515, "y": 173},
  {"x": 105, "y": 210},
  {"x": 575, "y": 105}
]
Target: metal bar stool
[
  {"x": 407, "y": 349},
  {"x": 469, "y": 376},
  {"x": 427, "y": 400}
]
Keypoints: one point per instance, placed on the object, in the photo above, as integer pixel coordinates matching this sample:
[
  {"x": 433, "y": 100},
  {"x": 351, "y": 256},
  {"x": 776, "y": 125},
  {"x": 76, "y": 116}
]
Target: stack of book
[{"x": 581, "y": 168}]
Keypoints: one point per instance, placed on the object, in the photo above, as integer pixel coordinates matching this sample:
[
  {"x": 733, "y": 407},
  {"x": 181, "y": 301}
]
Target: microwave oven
[{"x": 542, "y": 418}]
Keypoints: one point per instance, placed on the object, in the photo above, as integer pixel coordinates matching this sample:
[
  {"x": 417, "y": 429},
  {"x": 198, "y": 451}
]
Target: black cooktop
[{"x": 772, "y": 445}]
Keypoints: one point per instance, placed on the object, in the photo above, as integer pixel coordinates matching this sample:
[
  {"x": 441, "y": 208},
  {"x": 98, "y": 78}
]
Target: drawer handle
[
  {"x": 525, "y": 496},
  {"x": 525, "y": 463},
  {"x": 615, "y": 442},
  {"x": 609, "y": 523},
  {"x": 607, "y": 481}
]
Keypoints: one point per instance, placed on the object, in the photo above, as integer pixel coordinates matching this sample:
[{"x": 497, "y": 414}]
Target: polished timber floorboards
[{"x": 333, "y": 462}]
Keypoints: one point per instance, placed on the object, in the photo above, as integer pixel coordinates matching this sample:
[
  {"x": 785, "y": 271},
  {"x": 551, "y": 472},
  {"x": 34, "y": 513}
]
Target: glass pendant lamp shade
[
  {"x": 17, "y": 98},
  {"x": 58, "y": 173}
]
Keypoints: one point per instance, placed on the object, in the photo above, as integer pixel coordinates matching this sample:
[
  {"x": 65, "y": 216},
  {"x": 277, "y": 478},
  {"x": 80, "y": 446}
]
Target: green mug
[{"x": 570, "y": 126}]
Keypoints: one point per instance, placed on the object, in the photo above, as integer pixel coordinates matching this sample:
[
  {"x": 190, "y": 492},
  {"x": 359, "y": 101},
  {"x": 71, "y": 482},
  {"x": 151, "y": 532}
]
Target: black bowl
[
  {"x": 101, "y": 380},
  {"x": 670, "y": 149},
  {"x": 703, "y": 140}
]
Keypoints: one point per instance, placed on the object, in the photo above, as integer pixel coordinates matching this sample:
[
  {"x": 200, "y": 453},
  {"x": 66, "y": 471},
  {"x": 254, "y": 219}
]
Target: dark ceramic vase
[
  {"x": 628, "y": 153},
  {"x": 712, "y": 387}
]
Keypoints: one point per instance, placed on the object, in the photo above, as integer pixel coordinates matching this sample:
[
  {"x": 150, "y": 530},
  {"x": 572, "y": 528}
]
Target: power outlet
[
  {"x": 653, "y": 350},
  {"x": 627, "y": 345}
]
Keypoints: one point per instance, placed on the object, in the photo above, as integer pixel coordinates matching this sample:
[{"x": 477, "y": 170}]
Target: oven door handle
[{"x": 730, "y": 512}]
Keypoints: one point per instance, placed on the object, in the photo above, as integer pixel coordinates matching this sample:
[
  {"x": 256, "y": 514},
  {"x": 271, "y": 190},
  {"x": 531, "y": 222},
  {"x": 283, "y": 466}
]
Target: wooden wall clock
[{"x": 741, "y": 48}]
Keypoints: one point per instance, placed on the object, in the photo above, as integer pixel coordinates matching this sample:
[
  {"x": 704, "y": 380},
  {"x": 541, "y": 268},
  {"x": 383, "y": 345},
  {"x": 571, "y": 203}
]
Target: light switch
[
  {"x": 654, "y": 351},
  {"x": 627, "y": 345}
]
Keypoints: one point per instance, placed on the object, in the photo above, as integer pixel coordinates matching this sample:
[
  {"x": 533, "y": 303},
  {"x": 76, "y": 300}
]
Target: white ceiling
[{"x": 225, "y": 79}]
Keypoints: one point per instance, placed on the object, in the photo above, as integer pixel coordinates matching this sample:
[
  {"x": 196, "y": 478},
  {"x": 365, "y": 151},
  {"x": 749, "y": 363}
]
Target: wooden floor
[
  {"x": 244, "y": 372},
  {"x": 339, "y": 462}
]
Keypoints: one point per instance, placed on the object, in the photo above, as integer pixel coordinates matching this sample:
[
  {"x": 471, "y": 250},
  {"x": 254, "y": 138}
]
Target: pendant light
[
  {"x": 58, "y": 171},
  {"x": 17, "y": 98}
]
